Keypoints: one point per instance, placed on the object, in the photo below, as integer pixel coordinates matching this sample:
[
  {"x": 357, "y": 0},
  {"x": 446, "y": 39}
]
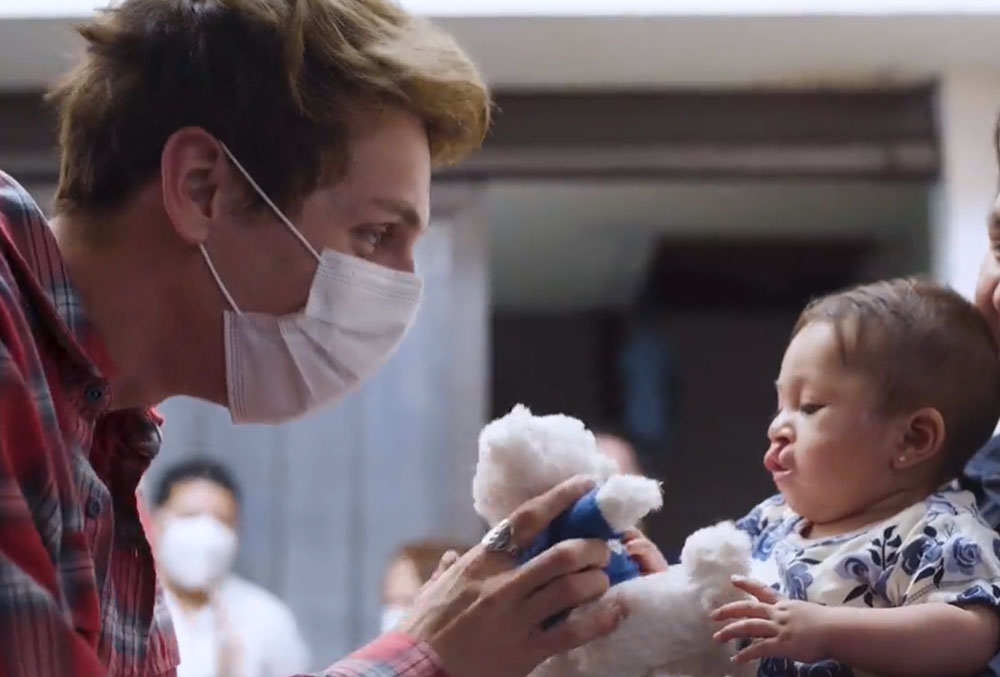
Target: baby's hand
[
  {"x": 641, "y": 549},
  {"x": 778, "y": 627}
]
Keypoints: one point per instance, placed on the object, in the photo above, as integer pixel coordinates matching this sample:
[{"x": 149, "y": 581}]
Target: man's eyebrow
[{"x": 401, "y": 208}]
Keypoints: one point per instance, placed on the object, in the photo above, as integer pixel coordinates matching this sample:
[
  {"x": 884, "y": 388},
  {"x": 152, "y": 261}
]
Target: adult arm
[{"x": 484, "y": 617}]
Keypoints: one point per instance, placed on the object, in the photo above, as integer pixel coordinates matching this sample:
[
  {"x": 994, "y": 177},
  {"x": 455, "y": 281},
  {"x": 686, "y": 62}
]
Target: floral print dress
[{"x": 938, "y": 550}]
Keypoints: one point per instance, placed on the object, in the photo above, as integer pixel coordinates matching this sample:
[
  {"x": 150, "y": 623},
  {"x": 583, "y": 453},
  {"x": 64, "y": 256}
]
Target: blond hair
[{"x": 276, "y": 80}]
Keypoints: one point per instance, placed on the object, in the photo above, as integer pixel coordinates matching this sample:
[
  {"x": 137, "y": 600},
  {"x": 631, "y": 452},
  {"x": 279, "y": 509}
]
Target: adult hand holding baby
[{"x": 483, "y": 615}]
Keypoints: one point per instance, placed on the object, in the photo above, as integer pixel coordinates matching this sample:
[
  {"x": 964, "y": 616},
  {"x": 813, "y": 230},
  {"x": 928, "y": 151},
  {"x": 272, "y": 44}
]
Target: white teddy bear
[{"x": 668, "y": 630}]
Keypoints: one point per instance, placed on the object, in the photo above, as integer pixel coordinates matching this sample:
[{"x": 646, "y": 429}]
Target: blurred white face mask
[
  {"x": 196, "y": 552},
  {"x": 279, "y": 368},
  {"x": 392, "y": 616}
]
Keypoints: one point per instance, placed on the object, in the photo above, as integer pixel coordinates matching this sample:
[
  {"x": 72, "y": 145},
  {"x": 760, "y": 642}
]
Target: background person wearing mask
[
  {"x": 409, "y": 569},
  {"x": 226, "y": 626}
]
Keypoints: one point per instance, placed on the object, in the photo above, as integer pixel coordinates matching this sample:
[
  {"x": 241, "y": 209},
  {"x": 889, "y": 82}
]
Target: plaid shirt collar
[{"x": 47, "y": 277}]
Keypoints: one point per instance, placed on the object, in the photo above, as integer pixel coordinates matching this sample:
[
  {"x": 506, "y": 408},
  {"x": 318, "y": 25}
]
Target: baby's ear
[{"x": 921, "y": 439}]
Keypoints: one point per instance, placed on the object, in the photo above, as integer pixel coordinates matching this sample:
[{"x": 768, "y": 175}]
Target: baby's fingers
[
  {"x": 750, "y": 628},
  {"x": 765, "y": 648},
  {"x": 642, "y": 550},
  {"x": 762, "y": 592},
  {"x": 748, "y": 608}
]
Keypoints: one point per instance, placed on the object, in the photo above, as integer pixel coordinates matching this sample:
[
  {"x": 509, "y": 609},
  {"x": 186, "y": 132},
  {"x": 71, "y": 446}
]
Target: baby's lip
[{"x": 771, "y": 462}]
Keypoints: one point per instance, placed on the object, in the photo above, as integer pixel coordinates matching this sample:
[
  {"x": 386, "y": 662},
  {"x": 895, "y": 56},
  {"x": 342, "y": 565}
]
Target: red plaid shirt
[{"x": 78, "y": 592}]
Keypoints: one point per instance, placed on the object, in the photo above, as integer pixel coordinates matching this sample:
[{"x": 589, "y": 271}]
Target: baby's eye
[{"x": 810, "y": 408}]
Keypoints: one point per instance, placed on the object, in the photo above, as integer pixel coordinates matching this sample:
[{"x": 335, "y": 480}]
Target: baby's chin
[
  {"x": 804, "y": 508},
  {"x": 817, "y": 514}
]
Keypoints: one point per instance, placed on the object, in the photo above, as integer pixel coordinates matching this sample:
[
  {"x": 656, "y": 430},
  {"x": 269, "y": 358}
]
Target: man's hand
[
  {"x": 778, "y": 627},
  {"x": 641, "y": 549},
  {"x": 484, "y": 616}
]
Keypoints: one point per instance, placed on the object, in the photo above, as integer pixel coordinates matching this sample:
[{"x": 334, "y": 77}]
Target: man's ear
[
  {"x": 921, "y": 439},
  {"x": 194, "y": 175}
]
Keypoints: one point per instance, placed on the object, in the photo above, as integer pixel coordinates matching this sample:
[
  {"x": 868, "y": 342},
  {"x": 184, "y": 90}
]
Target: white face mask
[
  {"x": 278, "y": 368},
  {"x": 392, "y": 616},
  {"x": 196, "y": 552}
]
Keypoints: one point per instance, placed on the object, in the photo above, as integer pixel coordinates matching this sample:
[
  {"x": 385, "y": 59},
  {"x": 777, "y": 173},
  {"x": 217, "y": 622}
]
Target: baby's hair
[{"x": 927, "y": 347}]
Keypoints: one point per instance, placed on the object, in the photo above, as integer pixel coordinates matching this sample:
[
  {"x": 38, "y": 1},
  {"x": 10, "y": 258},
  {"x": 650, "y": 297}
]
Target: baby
[{"x": 871, "y": 556}]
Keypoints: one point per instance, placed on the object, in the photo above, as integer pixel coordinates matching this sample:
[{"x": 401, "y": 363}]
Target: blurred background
[{"x": 665, "y": 186}]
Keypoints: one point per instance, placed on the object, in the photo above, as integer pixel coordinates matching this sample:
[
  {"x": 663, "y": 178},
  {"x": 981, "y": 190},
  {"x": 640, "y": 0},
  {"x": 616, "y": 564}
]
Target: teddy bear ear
[
  {"x": 626, "y": 499},
  {"x": 722, "y": 549},
  {"x": 519, "y": 410}
]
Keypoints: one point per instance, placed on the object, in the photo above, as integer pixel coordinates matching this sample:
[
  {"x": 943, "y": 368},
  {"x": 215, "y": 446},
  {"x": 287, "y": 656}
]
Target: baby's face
[{"x": 830, "y": 454}]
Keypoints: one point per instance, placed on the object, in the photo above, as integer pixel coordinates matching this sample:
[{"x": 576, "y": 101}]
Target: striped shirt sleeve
[{"x": 391, "y": 655}]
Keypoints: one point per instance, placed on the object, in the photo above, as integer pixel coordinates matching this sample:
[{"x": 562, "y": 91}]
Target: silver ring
[{"x": 501, "y": 539}]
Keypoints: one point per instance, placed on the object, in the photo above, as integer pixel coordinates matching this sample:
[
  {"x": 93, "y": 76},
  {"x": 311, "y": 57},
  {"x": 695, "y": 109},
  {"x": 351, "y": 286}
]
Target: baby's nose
[{"x": 780, "y": 432}]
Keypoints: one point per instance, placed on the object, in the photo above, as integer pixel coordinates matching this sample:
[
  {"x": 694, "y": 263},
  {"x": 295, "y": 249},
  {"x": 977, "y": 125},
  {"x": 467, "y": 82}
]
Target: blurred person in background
[
  {"x": 225, "y": 624},
  {"x": 612, "y": 442},
  {"x": 409, "y": 569},
  {"x": 242, "y": 184},
  {"x": 616, "y": 444}
]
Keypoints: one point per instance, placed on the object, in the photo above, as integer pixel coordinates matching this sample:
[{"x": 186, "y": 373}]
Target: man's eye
[
  {"x": 810, "y": 408},
  {"x": 372, "y": 238}
]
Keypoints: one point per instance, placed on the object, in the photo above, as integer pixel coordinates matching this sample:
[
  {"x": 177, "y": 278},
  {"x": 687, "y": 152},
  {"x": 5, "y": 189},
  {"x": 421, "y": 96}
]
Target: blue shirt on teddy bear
[{"x": 585, "y": 520}]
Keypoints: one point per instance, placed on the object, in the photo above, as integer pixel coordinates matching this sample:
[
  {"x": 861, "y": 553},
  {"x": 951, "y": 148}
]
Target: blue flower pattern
[
  {"x": 765, "y": 533},
  {"x": 776, "y": 667},
  {"x": 966, "y": 555},
  {"x": 798, "y": 579},
  {"x": 923, "y": 551},
  {"x": 931, "y": 557},
  {"x": 782, "y": 667},
  {"x": 941, "y": 504}
]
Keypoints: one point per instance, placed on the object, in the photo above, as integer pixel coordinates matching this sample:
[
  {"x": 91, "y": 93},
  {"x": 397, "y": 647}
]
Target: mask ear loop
[
  {"x": 266, "y": 199},
  {"x": 218, "y": 280}
]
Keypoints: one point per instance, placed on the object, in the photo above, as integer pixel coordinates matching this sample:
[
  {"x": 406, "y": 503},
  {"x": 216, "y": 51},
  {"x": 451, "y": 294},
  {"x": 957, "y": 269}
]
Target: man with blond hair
[{"x": 241, "y": 186}]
